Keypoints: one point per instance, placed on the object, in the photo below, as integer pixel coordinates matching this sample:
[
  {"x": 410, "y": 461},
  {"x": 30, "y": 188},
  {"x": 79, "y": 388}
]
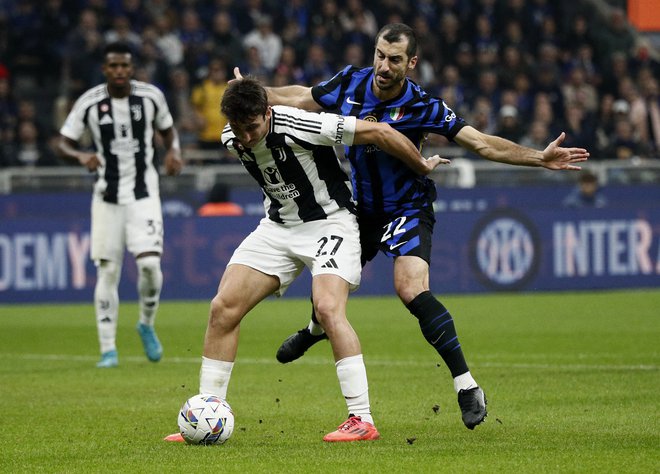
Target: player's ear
[{"x": 412, "y": 62}]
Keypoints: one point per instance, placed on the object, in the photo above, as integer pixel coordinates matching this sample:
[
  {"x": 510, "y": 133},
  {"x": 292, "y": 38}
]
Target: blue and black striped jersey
[{"x": 383, "y": 184}]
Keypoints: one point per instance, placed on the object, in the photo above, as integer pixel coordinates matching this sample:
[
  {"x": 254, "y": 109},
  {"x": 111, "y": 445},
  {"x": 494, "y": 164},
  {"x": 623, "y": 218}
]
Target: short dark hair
[
  {"x": 244, "y": 100},
  {"x": 118, "y": 48},
  {"x": 395, "y": 32},
  {"x": 588, "y": 177}
]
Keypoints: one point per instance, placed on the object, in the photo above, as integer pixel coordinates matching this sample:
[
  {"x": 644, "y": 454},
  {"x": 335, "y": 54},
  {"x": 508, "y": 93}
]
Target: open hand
[{"x": 556, "y": 157}]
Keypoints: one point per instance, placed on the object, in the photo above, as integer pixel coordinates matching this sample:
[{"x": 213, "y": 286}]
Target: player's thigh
[
  {"x": 108, "y": 231},
  {"x": 242, "y": 288},
  {"x": 144, "y": 226},
  {"x": 330, "y": 295},
  {"x": 332, "y": 247},
  {"x": 267, "y": 249}
]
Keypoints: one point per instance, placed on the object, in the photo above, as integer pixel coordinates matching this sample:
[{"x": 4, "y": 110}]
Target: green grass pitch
[{"x": 571, "y": 378}]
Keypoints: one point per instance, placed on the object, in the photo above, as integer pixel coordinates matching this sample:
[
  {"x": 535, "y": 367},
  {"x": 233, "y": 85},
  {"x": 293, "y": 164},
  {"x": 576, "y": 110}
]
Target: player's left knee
[{"x": 149, "y": 271}]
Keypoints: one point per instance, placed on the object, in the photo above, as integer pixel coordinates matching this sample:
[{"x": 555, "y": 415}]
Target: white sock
[
  {"x": 464, "y": 382},
  {"x": 214, "y": 377},
  {"x": 352, "y": 376},
  {"x": 106, "y": 304},
  {"x": 315, "y": 329},
  {"x": 150, "y": 282}
]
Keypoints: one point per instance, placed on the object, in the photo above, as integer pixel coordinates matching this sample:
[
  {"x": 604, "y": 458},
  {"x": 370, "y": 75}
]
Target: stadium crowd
[{"x": 521, "y": 69}]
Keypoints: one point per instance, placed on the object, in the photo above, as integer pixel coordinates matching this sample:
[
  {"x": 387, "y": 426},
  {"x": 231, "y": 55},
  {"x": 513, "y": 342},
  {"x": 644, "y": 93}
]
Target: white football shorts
[
  {"x": 329, "y": 246},
  {"x": 137, "y": 226}
]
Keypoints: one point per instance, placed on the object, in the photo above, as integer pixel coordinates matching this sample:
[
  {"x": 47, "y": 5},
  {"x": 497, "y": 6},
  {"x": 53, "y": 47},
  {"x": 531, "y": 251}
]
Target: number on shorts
[
  {"x": 154, "y": 227},
  {"x": 324, "y": 241},
  {"x": 398, "y": 228}
]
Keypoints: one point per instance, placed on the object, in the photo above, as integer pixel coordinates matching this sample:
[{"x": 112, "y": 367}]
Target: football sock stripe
[{"x": 438, "y": 329}]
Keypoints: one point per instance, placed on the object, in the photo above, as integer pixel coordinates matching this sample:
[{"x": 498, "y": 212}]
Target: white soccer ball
[{"x": 206, "y": 419}]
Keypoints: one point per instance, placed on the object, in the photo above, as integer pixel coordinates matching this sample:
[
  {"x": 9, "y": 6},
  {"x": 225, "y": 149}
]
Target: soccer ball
[{"x": 206, "y": 419}]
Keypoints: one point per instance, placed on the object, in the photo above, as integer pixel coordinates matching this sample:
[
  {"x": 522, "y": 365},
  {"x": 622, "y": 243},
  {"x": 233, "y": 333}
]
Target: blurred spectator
[
  {"x": 580, "y": 131},
  {"x": 466, "y": 64},
  {"x": 449, "y": 39},
  {"x": 651, "y": 92},
  {"x": 55, "y": 25},
  {"x": 206, "y": 99},
  {"x": 451, "y": 86},
  {"x": 544, "y": 112},
  {"x": 538, "y": 136},
  {"x": 484, "y": 39},
  {"x": 252, "y": 64},
  {"x": 629, "y": 92},
  {"x": 354, "y": 17},
  {"x": 84, "y": 45},
  {"x": 427, "y": 42},
  {"x": 547, "y": 82},
  {"x": 134, "y": 11},
  {"x": 354, "y": 54},
  {"x": 605, "y": 123},
  {"x": 168, "y": 40},
  {"x": 288, "y": 70},
  {"x": 615, "y": 36},
  {"x": 587, "y": 193},
  {"x": 123, "y": 32},
  {"x": 584, "y": 59},
  {"x": 194, "y": 38},
  {"x": 319, "y": 33},
  {"x": 185, "y": 117},
  {"x": 8, "y": 106},
  {"x": 578, "y": 34},
  {"x": 151, "y": 67},
  {"x": 513, "y": 63},
  {"x": 576, "y": 90},
  {"x": 31, "y": 149},
  {"x": 267, "y": 43},
  {"x": 487, "y": 86},
  {"x": 24, "y": 49},
  {"x": 225, "y": 40},
  {"x": 624, "y": 145},
  {"x": 483, "y": 117},
  {"x": 316, "y": 67},
  {"x": 522, "y": 85},
  {"x": 613, "y": 74},
  {"x": 508, "y": 125},
  {"x": 299, "y": 12}
]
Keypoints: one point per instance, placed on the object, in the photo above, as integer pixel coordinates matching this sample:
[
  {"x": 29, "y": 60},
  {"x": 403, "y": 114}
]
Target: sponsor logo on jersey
[
  {"x": 339, "y": 132},
  {"x": 272, "y": 175}
]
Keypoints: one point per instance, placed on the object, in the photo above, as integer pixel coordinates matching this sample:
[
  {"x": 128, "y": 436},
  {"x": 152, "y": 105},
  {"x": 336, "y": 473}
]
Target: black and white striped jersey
[
  {"x": 123, "y": 134},
  {"x": 296, "y": 166}
]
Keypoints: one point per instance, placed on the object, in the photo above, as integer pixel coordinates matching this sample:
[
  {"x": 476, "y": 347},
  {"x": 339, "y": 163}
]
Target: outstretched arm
[
  {"x": 494, "y": 148},
  {"x": 293, "y": 96},
  {"x": 396, "y": 144}
]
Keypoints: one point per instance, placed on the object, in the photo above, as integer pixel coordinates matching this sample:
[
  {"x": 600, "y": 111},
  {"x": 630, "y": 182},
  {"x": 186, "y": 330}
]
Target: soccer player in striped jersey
[
  {"x": 123, "y": 116},
  {"x": 395, "y": 205},
  {"x": 310, "y": 222}
]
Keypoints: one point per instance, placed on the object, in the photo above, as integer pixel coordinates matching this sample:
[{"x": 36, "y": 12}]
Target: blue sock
[{"x": 438, "y": 329}]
